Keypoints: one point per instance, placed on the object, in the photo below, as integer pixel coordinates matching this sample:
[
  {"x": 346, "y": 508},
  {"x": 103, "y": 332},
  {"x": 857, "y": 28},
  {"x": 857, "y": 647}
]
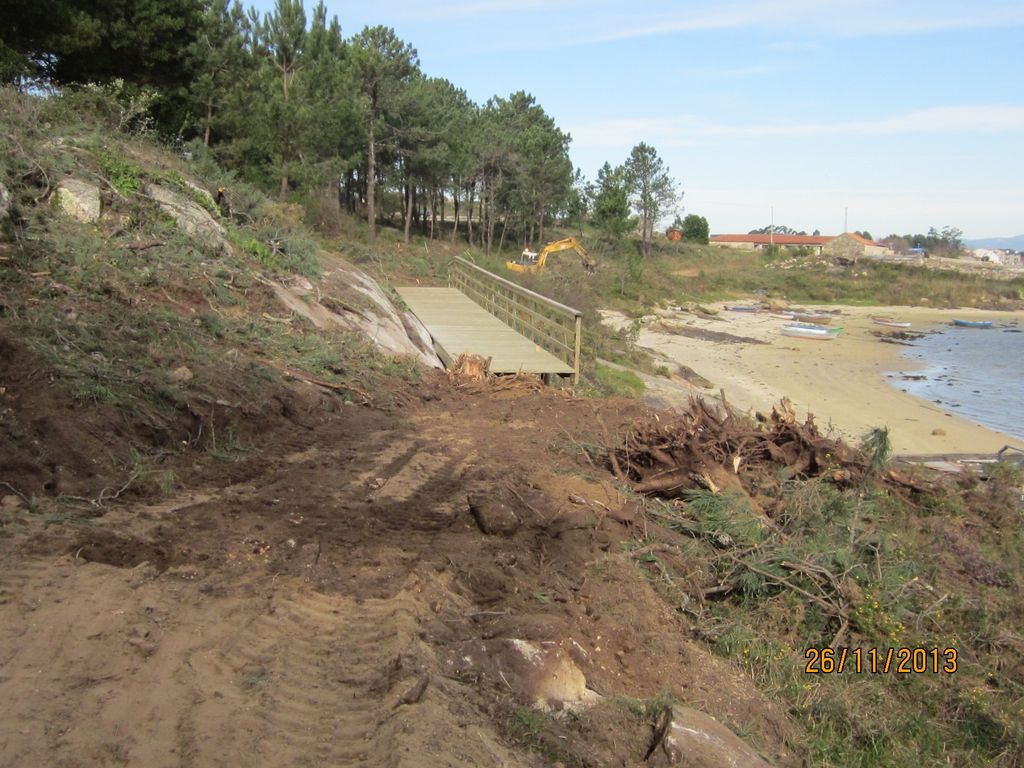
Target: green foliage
[
  {"x": 610, "y": 203},
  {"x": 383, "y": 66},
  {"x": 279, "y": 251},
  {"x": 858, "y": 568},
  {"x": 652, "y": 191},
  {"x": 122, "y": 173},
  {"x": 877, "y": 445},
  {"x": 612, "y": 381},
  {"x": 724, "y": 514},
  {"x": 144, "y": 42},
  {"x": 648, "y": 709},
  {"x": 695, "y": 229}
]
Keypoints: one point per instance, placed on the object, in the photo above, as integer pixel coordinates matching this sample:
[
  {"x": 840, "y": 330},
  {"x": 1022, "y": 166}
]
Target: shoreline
[{"x": 844, "y": 382}]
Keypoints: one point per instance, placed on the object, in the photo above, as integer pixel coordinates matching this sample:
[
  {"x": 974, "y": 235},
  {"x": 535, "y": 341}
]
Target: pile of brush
[
  {"x": 711, "y": 448},
  {"x": 472, "y": 373}
]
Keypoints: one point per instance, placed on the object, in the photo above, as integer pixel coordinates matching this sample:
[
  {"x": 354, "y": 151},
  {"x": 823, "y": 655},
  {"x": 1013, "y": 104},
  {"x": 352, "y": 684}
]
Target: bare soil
[{"x": 294, "y": 606}]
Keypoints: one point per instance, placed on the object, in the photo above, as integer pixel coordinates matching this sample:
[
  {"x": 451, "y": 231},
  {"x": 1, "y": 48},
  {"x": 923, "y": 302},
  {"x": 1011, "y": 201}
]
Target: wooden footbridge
[{"x": 486, "y": 315}]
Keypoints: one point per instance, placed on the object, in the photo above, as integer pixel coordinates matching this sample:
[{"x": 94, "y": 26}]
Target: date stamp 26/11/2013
[{"x": 881, "y": 661}]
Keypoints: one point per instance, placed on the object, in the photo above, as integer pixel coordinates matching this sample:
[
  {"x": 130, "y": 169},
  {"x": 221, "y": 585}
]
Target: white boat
[
  {"x": 809, "y": 331},
  {"x": 813, "y": 327},
  {"x": 890, "y": 322},
  {"x": 813, "y": 317}
]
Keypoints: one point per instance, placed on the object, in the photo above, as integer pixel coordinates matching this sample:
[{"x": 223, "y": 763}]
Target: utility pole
[{"x": 771, "y": 233}]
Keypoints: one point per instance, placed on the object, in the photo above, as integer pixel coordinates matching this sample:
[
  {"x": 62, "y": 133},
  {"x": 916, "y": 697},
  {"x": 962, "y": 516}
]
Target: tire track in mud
[
  {"x": 322, "y": 669},
  {"x": 419, "y": 483},
  {"x": 251, "y": 660}
]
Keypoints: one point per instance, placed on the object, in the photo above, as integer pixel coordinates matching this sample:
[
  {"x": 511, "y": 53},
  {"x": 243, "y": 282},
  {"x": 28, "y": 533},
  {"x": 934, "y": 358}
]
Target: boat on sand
[
  {"x": 891, "y": 322},
  {"x": 973, "y": 323},
  {"x": 821, "y": 318},
  {"x": 810, "y": 331}
]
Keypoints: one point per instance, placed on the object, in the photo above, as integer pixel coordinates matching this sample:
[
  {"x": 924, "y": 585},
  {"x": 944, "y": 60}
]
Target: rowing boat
[
  {"x": 813, "y": 317},
  {"x": 813, "y": 327},
  {"x": 810, "y": 331},
  {"x": 890, "y": 322},
  {"x": 973, "y": 323}
]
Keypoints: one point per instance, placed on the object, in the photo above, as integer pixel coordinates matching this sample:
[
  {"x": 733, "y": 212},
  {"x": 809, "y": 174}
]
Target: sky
[{"x": 889, "y": 117}]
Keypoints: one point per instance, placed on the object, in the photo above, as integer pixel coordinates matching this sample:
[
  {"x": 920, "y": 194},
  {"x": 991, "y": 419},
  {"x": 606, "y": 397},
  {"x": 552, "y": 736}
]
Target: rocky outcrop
[
  {"x": 7, "y": 212},
  {"x": 6, "y": 201},
  {"x": 190, "y": 217},
  {"x": 200, "y": 193},
  {"x": 689, "y": 738},
  {"x": 492, "y": 515},
  {"x": 365, "y": 308},
  {"x": 78, "y": 200},
  {"x": 543, "y": 674}
]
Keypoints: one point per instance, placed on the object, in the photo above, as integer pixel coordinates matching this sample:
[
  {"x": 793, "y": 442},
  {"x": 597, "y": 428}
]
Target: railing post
[
  {"x": 542, "y": 320},
  {"x": 576, "y": 360}
]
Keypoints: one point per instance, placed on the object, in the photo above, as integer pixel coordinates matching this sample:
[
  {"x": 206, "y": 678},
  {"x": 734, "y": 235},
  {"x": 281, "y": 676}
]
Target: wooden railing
[{"x": 555, "y": 327}]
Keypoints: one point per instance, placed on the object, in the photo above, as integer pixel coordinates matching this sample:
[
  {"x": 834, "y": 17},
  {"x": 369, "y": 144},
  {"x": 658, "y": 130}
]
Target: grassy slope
[
  {"x": 682, "y": 272},
  {"x": 115, "y": 320},
  {"x": 939, "y": 569}
]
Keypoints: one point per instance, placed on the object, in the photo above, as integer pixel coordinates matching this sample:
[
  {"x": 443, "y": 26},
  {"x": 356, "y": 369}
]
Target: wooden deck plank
[{"x": 458, "y": 324}]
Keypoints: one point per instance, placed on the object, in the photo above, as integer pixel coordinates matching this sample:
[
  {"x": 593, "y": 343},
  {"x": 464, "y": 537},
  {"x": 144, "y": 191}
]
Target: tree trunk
[
  {"x": 455, "y": 226},
  {"x": 490, "y": 219},
  {"x": 345, "y": 192},
  {"x": 209, "y": 119},
  {"x": 371, "y": 183},
  {"x": 469, "y": 216},
  {"x": 283, "y": 197},
  {"x": 485, "y": 217},
  {"x": 433, "y": 210},
  {"x": 285, "y": 148},
  {"x": 332, "y": 203},
  {"x": 410, "y": 199},
  {"x": 504, "y": 226}
]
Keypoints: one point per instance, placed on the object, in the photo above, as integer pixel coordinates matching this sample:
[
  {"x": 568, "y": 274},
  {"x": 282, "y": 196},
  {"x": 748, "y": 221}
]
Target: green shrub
[{"x": 612, "y": 381}]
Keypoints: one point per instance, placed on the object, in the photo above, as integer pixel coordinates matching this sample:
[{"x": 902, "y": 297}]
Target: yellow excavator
[{"x": 534, "y": 262}]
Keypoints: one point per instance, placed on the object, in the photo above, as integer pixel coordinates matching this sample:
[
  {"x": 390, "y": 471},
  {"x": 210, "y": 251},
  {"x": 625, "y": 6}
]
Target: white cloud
[
  {"x": 732, "y": 73},
  {"x": 800, "y": 20},
  {"x": 476, "y": 9},
  {"x": 687, "y": 130}
]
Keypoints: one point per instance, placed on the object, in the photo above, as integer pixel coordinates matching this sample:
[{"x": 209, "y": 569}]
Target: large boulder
[
  {"x": 190, "y": 217},
  {"x": 350, "y": 299},
  {"x": 6, "y": 211},
  {"x": 689, "y": 738},
  {"x": 544, "y": 675},
  {"x": 78, "y": 200}
]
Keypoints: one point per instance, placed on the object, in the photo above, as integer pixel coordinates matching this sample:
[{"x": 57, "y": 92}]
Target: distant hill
[{"x": 1015, "y": 243}]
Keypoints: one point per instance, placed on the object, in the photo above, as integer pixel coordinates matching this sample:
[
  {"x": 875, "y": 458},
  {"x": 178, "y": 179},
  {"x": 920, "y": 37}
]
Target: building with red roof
[{"x": 819, "y": 244}]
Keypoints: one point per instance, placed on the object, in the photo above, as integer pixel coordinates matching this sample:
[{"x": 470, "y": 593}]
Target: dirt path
[{"x": 297, "y": 606}]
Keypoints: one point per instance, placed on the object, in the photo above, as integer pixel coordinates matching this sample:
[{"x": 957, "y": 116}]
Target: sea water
[{"x": 976, "y": 373}]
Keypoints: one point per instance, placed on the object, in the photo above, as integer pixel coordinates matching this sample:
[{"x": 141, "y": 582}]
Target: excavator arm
[{"x": 566, "y": 244}]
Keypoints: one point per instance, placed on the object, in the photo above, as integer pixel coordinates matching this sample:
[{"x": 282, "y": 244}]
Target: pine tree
[
  {"x": 652, "y": 190},
  {"x": 383, "y": 63},
  {"x": 610, "y": 203}
]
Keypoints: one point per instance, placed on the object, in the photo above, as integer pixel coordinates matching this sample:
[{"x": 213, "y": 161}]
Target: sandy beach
[{"x": 842, "y": 382}]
